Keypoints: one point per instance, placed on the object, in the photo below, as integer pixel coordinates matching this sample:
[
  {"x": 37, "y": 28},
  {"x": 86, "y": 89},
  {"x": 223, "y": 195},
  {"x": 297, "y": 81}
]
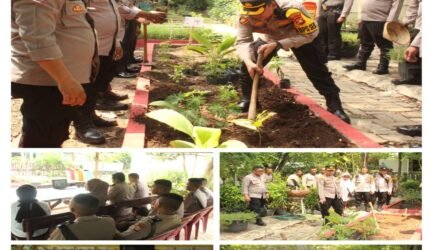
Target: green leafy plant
[
  {"x": 410, "y": 191},
  {"x": 311, "y": 200},
  {"x": 347, "y": 227},
  {"x": 397, "y": 54},
  {"x": 350, "y": 39},
  {"x": 224, "y": 104},
  {"x": 278, "y": 198},
  {"x": 231, "y": 199},
  {"x": 228, "y": 219},
  {"x": 178, "y": 73},
  {"x": 276, "y": 64},
  {"x": 256, "y": 124},
  {"x": 214, "y": 52},
  {"x": 188, "y": 104},
  {"x": 203, "y": 137}
]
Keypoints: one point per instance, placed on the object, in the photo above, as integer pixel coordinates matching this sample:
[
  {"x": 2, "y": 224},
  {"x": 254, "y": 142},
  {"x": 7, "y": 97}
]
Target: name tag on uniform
[{"x": 74, "y": 8}]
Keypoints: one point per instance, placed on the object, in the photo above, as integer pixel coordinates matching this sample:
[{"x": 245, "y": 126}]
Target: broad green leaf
[
  {"x": 205, "y": 137},
  {"x": 173, "y": 119},
  {"x": 246, "y": 123},
  {"x": 227, "y": 52},
  {"x": 199, "y": 49},
  {"x": 262, "y": 117},
  {"x": 182, "y": 144},
  {"x": 202, "y": 40},
  {"x": 233, "y": 144},
  {"x": 196, "y": 92},
  {"x": 162, "y": 104},
  {"x": 226, "y": 43}
]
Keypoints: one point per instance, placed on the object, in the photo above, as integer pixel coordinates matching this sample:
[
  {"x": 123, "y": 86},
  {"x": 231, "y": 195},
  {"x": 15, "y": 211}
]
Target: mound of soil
[
  {"x": 293, "y": 126},
  {"x": 393, "y": 227}
]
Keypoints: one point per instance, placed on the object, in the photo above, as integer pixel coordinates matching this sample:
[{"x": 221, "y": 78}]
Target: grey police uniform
[
  {"x": 329, "y": 12},
  {"x": 154, "y": 225},
  {"x": 364, "y": 185},
  {"x": 255, "y": 187},
  {"x": 293, "y": 28},
  {"x": 49, "y": 30},
  {"x": 330, "y": 190},
  {"x": 87, "y": 228},
  {"x": 383, "y": 188}
]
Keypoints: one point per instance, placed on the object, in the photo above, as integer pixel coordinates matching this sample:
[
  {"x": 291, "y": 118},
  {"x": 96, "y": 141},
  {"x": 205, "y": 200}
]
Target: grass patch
[{"x": 170, "y": 31}]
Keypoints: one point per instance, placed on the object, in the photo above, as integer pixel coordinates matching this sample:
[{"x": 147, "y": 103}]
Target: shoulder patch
[
  {"x": 303, "y": 23},
  {"x": 243, "y": 20}
]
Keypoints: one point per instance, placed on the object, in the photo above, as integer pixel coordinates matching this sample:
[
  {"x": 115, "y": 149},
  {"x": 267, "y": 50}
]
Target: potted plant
[
  {"x": 350, "y": 44},
  {"x": 406, "y": 70},
  {"x": 231, "y": 199},
  {"x": 236, "y": 222},
  {"x": 277, "y": 195},
  {"x": 311, "y": 201},
  {"x": 410, "y": 192}
]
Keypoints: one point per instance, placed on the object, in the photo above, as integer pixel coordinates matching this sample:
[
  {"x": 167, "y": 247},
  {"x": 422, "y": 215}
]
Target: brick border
[
  {"x": 414, "y": 212},
  {"x": 135, "y": 132}
]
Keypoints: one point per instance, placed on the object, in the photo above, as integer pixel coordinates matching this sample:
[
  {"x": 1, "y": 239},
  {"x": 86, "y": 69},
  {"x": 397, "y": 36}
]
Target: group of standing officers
[{"x": 334, "y": 188}]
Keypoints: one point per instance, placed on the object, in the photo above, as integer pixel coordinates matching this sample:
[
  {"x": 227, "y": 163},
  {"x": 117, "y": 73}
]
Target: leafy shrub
[
  {"x": 410, "y": 191},
  {"x": 312, "y": 200},
  {"x": 397, "y": 54},
  {"x": 232, "y": 199},
  {"x": 277, "y": 193}
]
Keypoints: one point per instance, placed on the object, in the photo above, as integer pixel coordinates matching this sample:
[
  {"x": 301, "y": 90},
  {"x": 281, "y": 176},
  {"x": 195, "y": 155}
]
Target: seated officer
[
  {"x": 162, "y": 187},
  {"x": 286, "y": 25},
  {"x": 120, "y": 191},
  {"x": 207, "y": 191},
  {"x": 195, "y": 199},
  {"x": 165, "y": 219},
  {"x": 86, "y": 226}
]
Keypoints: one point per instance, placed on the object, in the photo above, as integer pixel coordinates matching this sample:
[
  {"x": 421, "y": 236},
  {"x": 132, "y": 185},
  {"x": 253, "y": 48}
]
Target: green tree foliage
[
  {"x": 51, "y": 165},
  {"x": 224, "y": 10}
]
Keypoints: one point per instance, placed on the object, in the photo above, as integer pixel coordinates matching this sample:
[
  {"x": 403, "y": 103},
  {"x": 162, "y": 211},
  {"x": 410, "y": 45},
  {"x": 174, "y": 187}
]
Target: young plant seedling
[
  {"x": 178, "y": 73},
  {"x": 224, "y": 104},
  {"x": 256, "y": 124},
  {"x": 203, "y": 137},
  {"x": 276, "y": 64}
]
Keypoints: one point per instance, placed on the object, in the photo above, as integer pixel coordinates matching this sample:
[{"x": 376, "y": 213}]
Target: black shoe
[
  {"x": 126, "y": 75},
  {"x": 114, "y": 96},
  {"x": 260, "y": 222},
  {"x": 86, "y": 132},
  {"x": 133, "y": 69},
  {"x": 100, "y": 122},
  {"x": 105, "y": 104},
  {"x": 410, "y": 130},
  {"x": 244, "y": 105},
  {"x": 357, "y": 65},
  {"x": 333, "y": 58},
  {"x": 137, "y": 59},
  {"x": 381, "y": 70},
  {"x": 406, "y": 81},
  {"x": 341, "y": 114}
]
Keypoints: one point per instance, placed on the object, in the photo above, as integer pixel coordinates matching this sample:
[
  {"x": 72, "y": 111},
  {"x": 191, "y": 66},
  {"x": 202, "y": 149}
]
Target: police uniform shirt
[
  {"x": 254, "y": 186},
  {"x": 381, "y": 10},
  {"x": 139, "y": 190},
  {"x": 268, "y": 178},
  {"x": 414, "y": 15},
  {"x": 293, "y": 28},
  {"x": 127, "y": 11},
  {"x": 195, "y": 201},
  {"x": 17, "y": 228},
  {"x": 180, "y": 212},
  {"x": 329, "y": 187},
  {"x": 142, "y": 229},
  {"x": 309, "y": 180},
  {"x": 50, "y": 30},
  {"x": 364, "y": 183},
  {"x": 107, "y": 22},
  {"x": 89, "y": 228},
  {"x": 121, "y": 192},
  {"x": 209, "y": 196},
  {"x": 383, "y": 183}
]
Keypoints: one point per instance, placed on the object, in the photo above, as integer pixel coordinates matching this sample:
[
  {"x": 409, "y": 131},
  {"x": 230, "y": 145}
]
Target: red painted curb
[
  {"x": 348, "y": 131},
  {"x": 415, "y": 212}
]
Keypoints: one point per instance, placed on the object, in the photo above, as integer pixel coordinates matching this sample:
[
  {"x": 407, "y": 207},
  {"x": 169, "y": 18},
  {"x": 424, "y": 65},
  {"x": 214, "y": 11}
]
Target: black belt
[{"x": 335, "y": 7}]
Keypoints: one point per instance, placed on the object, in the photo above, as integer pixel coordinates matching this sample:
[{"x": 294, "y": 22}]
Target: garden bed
[
  {"x": 295, "y": 125},
  {"x": 396, "y": 226}
]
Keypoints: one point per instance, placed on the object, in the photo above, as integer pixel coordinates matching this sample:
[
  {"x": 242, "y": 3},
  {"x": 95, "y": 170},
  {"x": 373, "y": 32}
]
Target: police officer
[
  {"x": 309, "y": 180},
  {"x": 383, "y": 186},
  {"x": 332, "y": 14},
  {"x": 364, "y": 188},
  {"x": 374, "y": 14},
  {"x": 54, "y": 59},
  {"x": 268, "y": 174},
  {"x": 120, "y": 191},
  {"x": 107, "y": 22},
  {"x": 413, "y": 18},
  {"x": 165, "y": 219},
  {"x": 295, "y": 180},
  {"x": 285, "y": 25},
  {"x": 196, "y": 199},
  {"x": 86, "y": 226},
  {"x": 330, "y": 193},
  {"x": 255, "y": 192}
]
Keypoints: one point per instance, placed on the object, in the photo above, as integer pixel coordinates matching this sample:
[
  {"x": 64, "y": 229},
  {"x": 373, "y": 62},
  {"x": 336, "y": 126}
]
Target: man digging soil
[{"x": 286, "y": 25}]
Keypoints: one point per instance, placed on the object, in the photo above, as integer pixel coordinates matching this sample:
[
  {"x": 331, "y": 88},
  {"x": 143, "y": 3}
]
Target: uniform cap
[
  {"x": 383, "y": 168},
  {"x": 253, "y": 7},
  {"x": 330, "y": 168}
]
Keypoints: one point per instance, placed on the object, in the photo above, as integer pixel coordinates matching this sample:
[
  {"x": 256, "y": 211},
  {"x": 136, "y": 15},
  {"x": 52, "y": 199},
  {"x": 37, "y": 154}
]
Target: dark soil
[{"x": 293, "y": 126}]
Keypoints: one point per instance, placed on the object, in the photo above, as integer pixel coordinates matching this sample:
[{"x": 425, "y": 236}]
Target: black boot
[
  {"x": 384, "y": 61},
  {"x": 104, "y": 103},
  {"x": 334, "y": 106},
  {"x": 246, "y": 95},
  {"x": 410, "y": 130},
  {"x": 101, "y": 122},
  {"x": 260, "y": 222},
  {"x": 86, "y": 131},
  {"x": 360, "y": 65}
]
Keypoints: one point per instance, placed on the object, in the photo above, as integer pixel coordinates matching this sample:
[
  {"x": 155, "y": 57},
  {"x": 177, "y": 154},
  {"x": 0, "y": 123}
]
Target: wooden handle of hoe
[
  {"x": 373, "y": 214},
  {"x": 145, "y": 43},
  {"x": 252, "y": 112}
]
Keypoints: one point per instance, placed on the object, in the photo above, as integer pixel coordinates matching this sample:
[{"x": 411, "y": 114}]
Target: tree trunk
[
  {"x": 365, "y": 159},
  {"x": 400, "y": 165},
  {"x": 282, "y": 161},
  {"x": 96, "y": 167}
]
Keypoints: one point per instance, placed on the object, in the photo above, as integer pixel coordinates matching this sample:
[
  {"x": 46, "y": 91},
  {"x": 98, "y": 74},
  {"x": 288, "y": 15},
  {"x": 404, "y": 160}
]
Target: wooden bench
[{"x": 30, "y": 225}]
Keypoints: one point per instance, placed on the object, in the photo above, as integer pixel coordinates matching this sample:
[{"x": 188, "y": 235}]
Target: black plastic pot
[
  {"x": 270, "y": 212},
  {"x": 219, "y": 79},
  {"x": 349, "y": 50},
  {"x": 237, "y": 226},
  {"x": 281, "y": 211},
  {"x": 408, "y": 70}
]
